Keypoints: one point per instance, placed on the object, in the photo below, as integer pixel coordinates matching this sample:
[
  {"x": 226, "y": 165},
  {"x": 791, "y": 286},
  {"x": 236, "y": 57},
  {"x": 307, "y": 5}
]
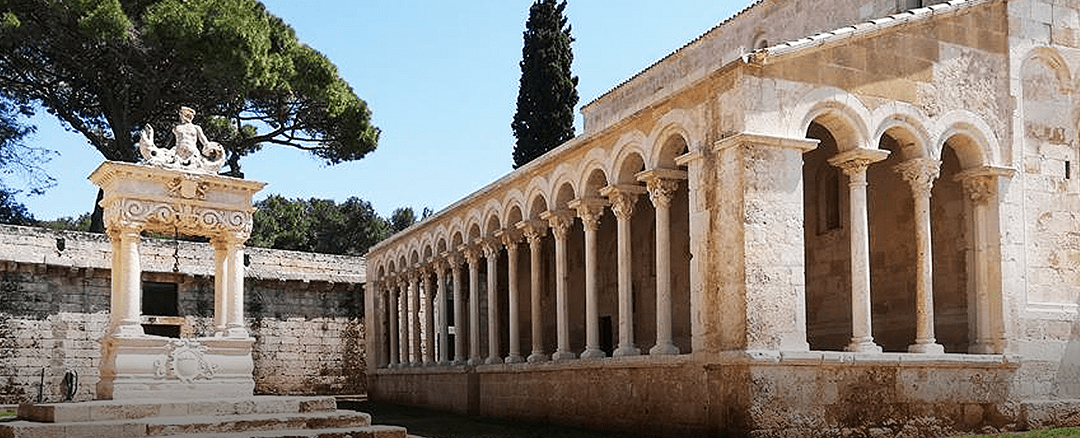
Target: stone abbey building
[{"x": 817, "y": 217}]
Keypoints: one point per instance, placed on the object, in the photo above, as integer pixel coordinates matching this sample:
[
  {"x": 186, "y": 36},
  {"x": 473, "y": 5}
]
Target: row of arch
[{"x": 957, "y": 135}]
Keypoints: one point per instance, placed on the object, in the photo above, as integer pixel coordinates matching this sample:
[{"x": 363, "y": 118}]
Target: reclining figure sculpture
[{"x": 186, "y": 155}]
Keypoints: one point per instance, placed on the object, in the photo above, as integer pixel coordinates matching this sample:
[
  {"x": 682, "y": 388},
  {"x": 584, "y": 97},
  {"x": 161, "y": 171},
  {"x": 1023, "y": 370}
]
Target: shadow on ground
[{"x": 434, "y": 424}]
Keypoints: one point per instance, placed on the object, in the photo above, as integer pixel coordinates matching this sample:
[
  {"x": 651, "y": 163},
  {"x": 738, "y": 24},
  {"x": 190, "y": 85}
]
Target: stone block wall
[{"x": 304, "y": 310}]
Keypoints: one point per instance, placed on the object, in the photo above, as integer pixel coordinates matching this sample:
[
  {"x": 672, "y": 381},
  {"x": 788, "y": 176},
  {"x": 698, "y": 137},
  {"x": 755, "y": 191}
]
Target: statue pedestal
[{"x": 167, "y": 368}]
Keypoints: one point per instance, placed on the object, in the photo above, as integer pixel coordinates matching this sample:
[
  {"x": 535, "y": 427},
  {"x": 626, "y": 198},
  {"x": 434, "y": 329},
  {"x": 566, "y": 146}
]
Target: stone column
[
  {"x": 662, "y": 184},
  {"x": 472, "y": 257},
  {"x": 428, "y": 323},
  {"x": 534, "y": 233},
  {"x": 590, "y": 210},
  {"x": 980, "y": 186},
  {"x": 560, "y": 221},
  {"x": 623, "y": 198},
  {"x": 126, "y": 301},
  {"x": 921, "y": 173},
  {"x": 459, "y": 312},
  {"x": 443, "y": 328},
  {"x": 491, "y": 253},
  {"x": 509, "y": 239},
  {"x": 403, "y": 321},
  {"x": 414, "y": 318},
  {"x": 221, "y": 286},
  {"x": 854, "y": 164},
  {"x": 234, "y": 258},
  {"x": 392, "y": 289}
]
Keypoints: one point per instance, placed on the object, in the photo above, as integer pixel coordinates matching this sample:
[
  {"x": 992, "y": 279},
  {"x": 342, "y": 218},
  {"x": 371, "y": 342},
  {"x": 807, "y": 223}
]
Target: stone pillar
[
  {"x": 704, "y": 322},
  {"x": 509, "y": 240},
  {"x": 428, "y": 323},
  {"x": 534, "y": 233},
  {"x": 392, "y": 289},
  {"x": 472, "y": 257},
  {"x": 623, "y": 198},
  {"x": 403, "y": 321},
  {"x": 234, "y": 258},
  {"x": 459, "y": 312},
  {"x": 221, "y": 286},
  {"x": 981, "y": 186},
  {"x": 414, "y": 318},
  {"x": 921, "y": 173},
  {"x": 443, "y": 327},
  {"x": 854, "y": 164},
  {"x": 662, "y": 184},
  {"x": 590, "y": 210},
  {"x": 560, "y": 221},
  {"x": 126, "y": 300},
  {"x": 491, "y": 253}
]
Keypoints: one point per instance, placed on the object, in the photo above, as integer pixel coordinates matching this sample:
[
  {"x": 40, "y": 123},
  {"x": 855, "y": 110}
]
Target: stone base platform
[{"x": 250, "y": 417}]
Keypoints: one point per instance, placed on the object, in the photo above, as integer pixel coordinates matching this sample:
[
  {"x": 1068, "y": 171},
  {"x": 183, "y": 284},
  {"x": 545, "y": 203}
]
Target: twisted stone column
[
  {"x": 920, "y": 173},
  {"x": 854, "y": 164},
  {"x": 622, "y": 200}
]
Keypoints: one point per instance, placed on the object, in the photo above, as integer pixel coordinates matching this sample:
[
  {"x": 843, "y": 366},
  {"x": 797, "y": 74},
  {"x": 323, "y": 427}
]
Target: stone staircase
[{"x": 251, "y": 417}]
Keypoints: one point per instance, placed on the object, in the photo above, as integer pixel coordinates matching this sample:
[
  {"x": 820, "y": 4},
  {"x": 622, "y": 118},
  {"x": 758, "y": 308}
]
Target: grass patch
[
  {"x": 7, "y": 414},
  {"x": 434, "y": 424}
]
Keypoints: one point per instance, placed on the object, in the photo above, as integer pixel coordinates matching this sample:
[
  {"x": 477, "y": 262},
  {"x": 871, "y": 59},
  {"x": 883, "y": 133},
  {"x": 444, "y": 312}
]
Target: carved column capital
[
  {"x": 471, "y": 254},
  {"x": 560, "y": 221},
  {"x": 590, "y": 210},
  {"x": 509, "y": 238},
  {"x": 622, "y": 198},
  {"x": 855, "y": 162},
  {"x": 533, "y": 230},
  {"x": 661, "y": 184},
  {"x": 490, "y": 247},
  {"x": 981, "y": 184},
  {"x": 920, "y": 173}
]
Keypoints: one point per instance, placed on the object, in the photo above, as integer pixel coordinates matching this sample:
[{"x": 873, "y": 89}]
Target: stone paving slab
[{"x": 104, "y": 410}]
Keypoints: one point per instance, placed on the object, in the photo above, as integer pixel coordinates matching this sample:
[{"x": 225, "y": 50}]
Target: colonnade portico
[{"x": 411, "y": 342}]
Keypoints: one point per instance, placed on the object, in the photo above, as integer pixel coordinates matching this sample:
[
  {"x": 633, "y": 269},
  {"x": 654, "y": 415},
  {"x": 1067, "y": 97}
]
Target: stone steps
[{"x": 271, "y": 417}]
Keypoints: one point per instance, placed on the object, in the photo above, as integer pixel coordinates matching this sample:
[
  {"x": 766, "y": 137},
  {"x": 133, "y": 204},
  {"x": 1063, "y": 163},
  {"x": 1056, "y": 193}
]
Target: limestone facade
[
  {"x": 818, "y": 217},
  {"x": 304, "y": 311}
]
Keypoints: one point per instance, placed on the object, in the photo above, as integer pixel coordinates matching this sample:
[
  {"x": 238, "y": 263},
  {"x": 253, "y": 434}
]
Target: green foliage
[
  {"x": 12, "y": 212},
  {"x": 68, "y": 223},
  {"x": 320, "y": 225},
  {"x": 401, "y": 219},
  {"x": 107, "y": 68},
  {"x": 547, "y": 92}
]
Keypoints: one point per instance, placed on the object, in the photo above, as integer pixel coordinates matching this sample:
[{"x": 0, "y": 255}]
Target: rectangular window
[{"x": 160, "y": 299}]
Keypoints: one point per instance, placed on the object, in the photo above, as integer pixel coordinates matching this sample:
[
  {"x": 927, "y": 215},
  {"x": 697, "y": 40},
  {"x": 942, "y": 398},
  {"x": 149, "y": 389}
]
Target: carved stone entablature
[
  {"x": 186, "y": 218},
  {"x": 155, "y": 199},
  {"x": 186, "y": 360}
]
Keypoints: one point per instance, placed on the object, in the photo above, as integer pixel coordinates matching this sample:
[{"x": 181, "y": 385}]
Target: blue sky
[{"x": 441, "y": 79}]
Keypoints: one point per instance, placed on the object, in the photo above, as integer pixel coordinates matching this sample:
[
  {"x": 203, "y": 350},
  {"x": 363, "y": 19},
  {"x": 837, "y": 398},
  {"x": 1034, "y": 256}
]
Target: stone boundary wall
[{"x": 305, "y": 311}]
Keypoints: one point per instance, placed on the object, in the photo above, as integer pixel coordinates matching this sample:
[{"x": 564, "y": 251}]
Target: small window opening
[
  {"x": 160, "y": 299},
  {"x": 1068, "y": 170}
]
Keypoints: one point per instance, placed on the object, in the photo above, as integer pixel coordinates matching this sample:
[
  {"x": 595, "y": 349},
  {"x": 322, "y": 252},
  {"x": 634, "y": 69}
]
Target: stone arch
[
  {"x": 441, "y": 241},
  {"x": 1052, "y": 59},
  {"x": 563, "y": 175},
  {"x": 428, "y": 248},
  {"x": 513, "y": 215},
  {"x": 673, "y": 145},
  {"x": 564, "y": 193},
  {"x": 907, "y": 125},
  {"x": 842, "y": 113},
  {"x": 537, "y": 204},
  {"x": 492, "y": 217},
  {"x": 473, "y": 226},
  {"x": 593, "y": 181},
  {"x": 630, "y": 161},
  {"x": 537, "y": 188},
  {"x": 978, "y": 148},
  {"x": 514, "y": 199}
]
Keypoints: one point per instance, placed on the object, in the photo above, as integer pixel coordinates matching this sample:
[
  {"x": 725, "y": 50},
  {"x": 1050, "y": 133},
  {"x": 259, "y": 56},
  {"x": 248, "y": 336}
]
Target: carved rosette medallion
[{"x": 185, "y": 360}]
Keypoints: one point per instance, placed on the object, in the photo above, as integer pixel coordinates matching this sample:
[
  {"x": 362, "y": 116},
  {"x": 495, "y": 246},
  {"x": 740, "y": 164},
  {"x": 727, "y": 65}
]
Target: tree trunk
[{"x": 97, "y": 218}]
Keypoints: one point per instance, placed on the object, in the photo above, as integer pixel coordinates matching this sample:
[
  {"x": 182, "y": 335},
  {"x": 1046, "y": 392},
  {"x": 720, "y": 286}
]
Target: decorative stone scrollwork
[
  {"x": 185, "y": 359},
  {"x": 185, "y": 217},
  {"x": 661, "y": 190},
  {"x": 560, "y": 222}
]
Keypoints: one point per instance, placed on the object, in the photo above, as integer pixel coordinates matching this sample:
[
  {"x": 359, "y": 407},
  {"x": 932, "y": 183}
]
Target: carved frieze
[
  {"x": 185, "y": 217},
  {"x": 186, "y": 360}
]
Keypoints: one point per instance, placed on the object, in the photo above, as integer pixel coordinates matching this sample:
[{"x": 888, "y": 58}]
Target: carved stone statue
[{"x": 186, "y": 155}]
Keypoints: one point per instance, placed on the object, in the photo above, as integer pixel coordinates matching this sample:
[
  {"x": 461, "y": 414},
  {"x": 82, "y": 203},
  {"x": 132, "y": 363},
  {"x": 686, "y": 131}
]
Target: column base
[
  {"x": 926, "y": 348},
  {"x": 538, "y": 357},
  {"x": 459, "y": 361},
  {"x": 981, "y": 348},
  {"x": 563, "y": 355},
  {"x": 663, "y": 349},
  {"x": 474, "y": 361},
  {"x": 867, "y": 346},
  {"x": 128, "y": 331},
  {"x": 237, "y": 332},
  {"x": 593, "y": 353},
  {"x": 515, "y": 358},
  {"x": 626, "y": 351},
  {"x": 493, "y": 360}
]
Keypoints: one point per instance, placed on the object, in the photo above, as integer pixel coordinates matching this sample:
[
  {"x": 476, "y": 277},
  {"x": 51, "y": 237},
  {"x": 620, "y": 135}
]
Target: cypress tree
[{"x": 547, "y": 92}]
